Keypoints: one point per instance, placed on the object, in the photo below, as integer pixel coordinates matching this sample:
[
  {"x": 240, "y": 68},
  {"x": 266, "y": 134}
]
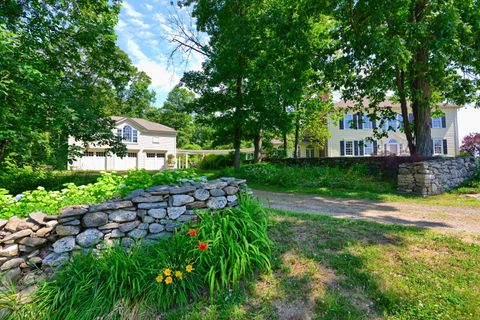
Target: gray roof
[
  {"x": 383, "y": 104},
  {"x": 145, "y": 124}
]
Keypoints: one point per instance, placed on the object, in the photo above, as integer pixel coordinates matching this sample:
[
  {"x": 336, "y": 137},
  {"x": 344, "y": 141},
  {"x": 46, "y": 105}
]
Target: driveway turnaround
[{"x": 445, "y": 219}]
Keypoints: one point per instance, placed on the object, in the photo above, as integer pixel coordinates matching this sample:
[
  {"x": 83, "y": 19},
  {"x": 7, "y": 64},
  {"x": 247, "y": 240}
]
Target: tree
[
  {"x": 425, "y": 51},
  {"x": 60, "y": 72},
  {"x": 471, "y": 144}
]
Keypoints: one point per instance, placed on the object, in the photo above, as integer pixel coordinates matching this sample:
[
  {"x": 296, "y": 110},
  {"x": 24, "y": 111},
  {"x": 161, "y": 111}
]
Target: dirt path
[{"x": 440, "y": 218}]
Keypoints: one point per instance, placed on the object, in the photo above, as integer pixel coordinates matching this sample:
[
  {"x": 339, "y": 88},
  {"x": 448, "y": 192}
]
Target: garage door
[
  {"x": 154, "y": 161},
  {"x": 126, "y": 163},
  {"x": 93, "y": 160}
]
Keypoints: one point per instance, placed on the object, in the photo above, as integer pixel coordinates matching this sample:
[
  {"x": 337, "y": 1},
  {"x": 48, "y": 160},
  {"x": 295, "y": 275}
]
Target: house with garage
[
  {"x": 352, "y": 134},
  {"x": 149, "y": 145}
]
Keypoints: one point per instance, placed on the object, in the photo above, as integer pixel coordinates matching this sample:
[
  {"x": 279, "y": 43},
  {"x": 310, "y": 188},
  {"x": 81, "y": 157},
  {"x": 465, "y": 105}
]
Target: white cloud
[
  {"x": 149, "y": 7},
  {"x": 130, "y": 11},
  {"x": 139, "y": 23}
]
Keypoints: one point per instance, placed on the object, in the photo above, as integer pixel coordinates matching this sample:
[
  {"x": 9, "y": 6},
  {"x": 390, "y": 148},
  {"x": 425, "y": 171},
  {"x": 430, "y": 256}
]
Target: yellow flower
[
  {"x": 167, "y": 272},
  {"x": 159, "y": 278},
  {"x": 179, "y": 274},
  {"x": 168, "y": 280},
  {"x": 189, "y": 268}
]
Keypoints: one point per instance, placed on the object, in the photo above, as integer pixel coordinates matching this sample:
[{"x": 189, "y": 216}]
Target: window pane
[
  {"x": 127, "y": 133},
  {"x": 368, "y": 148},
  {"x": 100, "y": 154},
  {"x": 88, "y": 154},
  {"x": 348, "y": 120},
  {"x": 135, "y": 135},
  {"x": 436, "y": 122},
  {"x": 349, "y": 148},
  {"x": 132, "y": 155},
  {"x": 119, "y": 132},
  {"x": 367, "y": 124},
  {"x": 437, "y": 147},
  {"x": 150, "y": 155}
]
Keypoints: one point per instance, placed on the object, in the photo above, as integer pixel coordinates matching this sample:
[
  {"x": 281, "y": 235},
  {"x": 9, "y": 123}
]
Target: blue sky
[{"x": 144, "y": 31}]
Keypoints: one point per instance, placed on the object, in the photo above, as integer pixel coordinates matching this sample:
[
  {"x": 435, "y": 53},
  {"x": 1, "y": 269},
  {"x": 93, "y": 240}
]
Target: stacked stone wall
[
  {"x": 434, "y": 176},
  {"x": 46, "y": 241}
]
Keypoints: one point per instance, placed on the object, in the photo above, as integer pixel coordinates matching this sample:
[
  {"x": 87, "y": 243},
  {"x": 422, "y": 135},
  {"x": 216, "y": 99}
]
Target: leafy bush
[
  {"x": 108, "y": 186},
  {"x": 222, "y": 250},
  {"x": 216, "y": 161}
]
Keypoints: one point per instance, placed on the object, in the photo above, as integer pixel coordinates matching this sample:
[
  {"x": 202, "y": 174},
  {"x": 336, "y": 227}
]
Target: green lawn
[{"x": 327, "y": 268}]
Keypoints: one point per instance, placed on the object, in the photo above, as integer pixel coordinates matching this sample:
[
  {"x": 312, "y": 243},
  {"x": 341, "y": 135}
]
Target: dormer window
[{"x": 128, "y": 134}]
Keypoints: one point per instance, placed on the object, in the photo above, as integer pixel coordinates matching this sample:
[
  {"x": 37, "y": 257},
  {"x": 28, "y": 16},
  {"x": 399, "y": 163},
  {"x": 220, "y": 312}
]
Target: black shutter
[
  {"x": 355, "y": 120},
  {"x": 342, "y": 148},
  {"x": 360, "y": 121},
  {"x": 355, "y": 144},
  {"x": 361, "y": 147},
  {"x": 410, "y": 117},
  {"x": 374, "y": 123},
  {"x": 445, "y": 150},
  {"x": 444, "y": 122},
  {"x": 341, "y": 124},
  {"x": 375, "y": 147}
]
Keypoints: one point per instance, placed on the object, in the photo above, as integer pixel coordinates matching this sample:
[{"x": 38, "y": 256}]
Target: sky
[{"x": 144, "y": 30}]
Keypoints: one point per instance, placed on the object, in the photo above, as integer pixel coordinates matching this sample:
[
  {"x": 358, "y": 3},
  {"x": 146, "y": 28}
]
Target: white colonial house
[
  {"x": 149, "y": 145},
  {"x": 349, "y": 136}
]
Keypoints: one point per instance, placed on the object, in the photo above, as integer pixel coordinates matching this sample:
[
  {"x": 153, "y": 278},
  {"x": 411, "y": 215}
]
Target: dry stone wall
[
  {"x": 434, "y": 176},
  {"x": 149, "y": 215}
]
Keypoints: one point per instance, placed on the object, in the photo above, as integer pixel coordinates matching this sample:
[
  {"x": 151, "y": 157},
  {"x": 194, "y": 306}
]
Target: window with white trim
[
  {"x": 367, "y": 123},
  {"x": 368, "y": 148},
  {"x": 348, "y": 121},
  {"x": 100, "y": 154},
  {"x": 437, "y": 146},
  {"x": 436, "y": 123},
  {"x": 128, "y": 134},
  {"x": 299, "y": 151},
  {"x": 132, "y": 155},
  {"x": 310, "y": 153},
  {"x": 349, "y": 148},
  {"x": 88, "y": 153}
]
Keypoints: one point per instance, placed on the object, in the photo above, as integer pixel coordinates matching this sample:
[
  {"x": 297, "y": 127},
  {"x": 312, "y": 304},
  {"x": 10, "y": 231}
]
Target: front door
[{"x": 393, "y": 149}]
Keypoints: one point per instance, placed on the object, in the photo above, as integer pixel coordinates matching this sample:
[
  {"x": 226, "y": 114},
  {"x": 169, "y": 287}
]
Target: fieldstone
[
  {"x": 181, "y": 199},
  {"x": 55, "y": 259},
  {"x": 12, "y": 263},
  {"x": 127, "y": 242},
  {"x": 128, "y": 226},
  {"x": 38, "y": 217},
  {"x": 137, "y": 233},
  {"x": 170, "y": 226},
  {"x": 27, "y": 225},
  {"x": 52, "y": 223},
  {"x": 217, "y": 203},
  {"x": 148, "y": 219},
  {"x": 186, "y": 218},
  {"x": 110, "y": 225},
  {"x": 182, "y": 189},
  {"x": 9, "y": 250},
  {"x": 141, "y": 213},
  {"x": 71, "y": 211},
  {"x": 159, "y": 190},
  {"x": 217, "y": 192},
  {"x": 65, "y": 244},
  {"x": 35, "y": 261},
  {"x": 25, "y": 249},
  {"x": 111, "y": 205},
  {"x": 117, "y": 234},
  {"x": 33, "y": 254},
  {"x": 94, "y": 219},
  {"x": 157, "y": 213},
  {"x": 89, "y": 238},
  {"x": 67, "y": 230},
  {"x": 197, "y": 205},
  {"x": 147, "y": 199},
  {"x": 215, "y": 184},
  {"x": 75, "y": 222},
  {"x": 12, "y": 224},
  {"x": 230, "y": 190},
  {"x": 43, "y": 231},
  {"x": 231, "y": 198},
  {"x": 122, "y": 216},
  {"x": 18, "y": 235},
  {"x": 201, "y": 194},
  {"x": 135, "y": 193},
  {"x": 143, "y": 226},
  {"x": 12, "y": 276},
  {"x": 159, "y": 236},
  {"x": 154, "y": 205},
  {"x": 33, "y": 242},
  {"x": 156, "y": 228},
  {"x": 175, "y": 212},
  {"x": 3, "y": 222},
  {"x": 68, "y": 219}
]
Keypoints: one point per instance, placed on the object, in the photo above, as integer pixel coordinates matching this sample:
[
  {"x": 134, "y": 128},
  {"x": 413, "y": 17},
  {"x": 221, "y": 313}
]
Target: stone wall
[
  {"x": 434, "y": 176},
  {"x": 149, "y": 215}
]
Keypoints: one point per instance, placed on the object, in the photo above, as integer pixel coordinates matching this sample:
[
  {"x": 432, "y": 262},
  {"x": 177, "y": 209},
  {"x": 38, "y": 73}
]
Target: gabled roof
[
  {"x": 145, "y": 124},
  {"x": 383, "y": 104}
]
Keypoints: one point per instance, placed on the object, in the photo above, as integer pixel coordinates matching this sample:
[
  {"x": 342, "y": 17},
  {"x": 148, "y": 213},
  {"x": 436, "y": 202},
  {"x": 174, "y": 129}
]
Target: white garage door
[
  {"x": 93, "y": 160},
  {"x": 154, "y": 161},
  {"x": 126, "y": 163}
]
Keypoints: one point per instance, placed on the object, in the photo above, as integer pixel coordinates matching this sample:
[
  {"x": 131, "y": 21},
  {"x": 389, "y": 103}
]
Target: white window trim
[
  {"x": 365, "y": 148},
  {"x": 345, "y": 148},
  {"x": 441, "y": 147},
  {"x": 439, "y": 123},
  {"x": 308, "y": 150},
  {"x": 366, "y": 119},
  {"x": 347, "y": 125}
]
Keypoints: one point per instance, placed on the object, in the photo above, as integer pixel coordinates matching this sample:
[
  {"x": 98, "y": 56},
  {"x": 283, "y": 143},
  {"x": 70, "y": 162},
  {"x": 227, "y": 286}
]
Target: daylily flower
[
  {"x": 179, "y": 274},
  {"x": 168, "y": 280},
  {"x": 189, "y": 268},
  {"x": 159, "y": 278},
  {"x": 192, "y": 232},
  {"x": 167, "y": 272},
  {"x": 202, "y": 245}
]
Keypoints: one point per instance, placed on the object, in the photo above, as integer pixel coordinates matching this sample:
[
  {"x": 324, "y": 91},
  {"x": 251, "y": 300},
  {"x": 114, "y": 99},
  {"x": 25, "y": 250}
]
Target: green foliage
[
  {"x": 216, "y": 161},
  {"x": 238, "y": 244}
]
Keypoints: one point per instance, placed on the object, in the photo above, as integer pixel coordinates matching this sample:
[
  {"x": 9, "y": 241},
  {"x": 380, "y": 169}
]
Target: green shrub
[{"x": 216, "y": 161}]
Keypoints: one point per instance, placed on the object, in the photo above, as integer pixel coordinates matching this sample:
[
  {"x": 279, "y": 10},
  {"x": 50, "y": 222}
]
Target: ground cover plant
[
  {"x": 218, "y": 253},
  {"x": 109, "y": 185}
]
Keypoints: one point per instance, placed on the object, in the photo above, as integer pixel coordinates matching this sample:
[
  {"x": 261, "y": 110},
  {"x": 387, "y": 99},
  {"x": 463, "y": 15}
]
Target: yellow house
[{"x": 349, "y": 135}]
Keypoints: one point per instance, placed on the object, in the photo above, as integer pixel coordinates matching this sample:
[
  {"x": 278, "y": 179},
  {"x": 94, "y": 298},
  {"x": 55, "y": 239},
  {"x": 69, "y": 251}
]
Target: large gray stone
[
  {"x": 157, "y": 213},
  {"x": 128, "y": 226},
  {"x": 217, "y": 203},
  {"x": 38, "y": 217},
  {"x": 170, "y": 226},
  {"x": 148, "y": 219},
  {"x": 12, "y": 276},
  {"x": 94, "y": 219},
  {"x": 9, "y": 250},
  {"x": 89, "y": 238},
  {"x": 175, "y": 212},
  {"x": 111, "y": 205},
  {"x": 197, "y": 205},
  {"x": 181, "y": 199},
  {"x": 182, "y": 189},
  {"x": 127, "y": 242},
  {"x": 214, "y": 184},
  {"x": 117, "y": 234},
  {"x": 201, "y": 194},
  {"x": 147, "y": 199},
  {"x": 55, "y": 259},
  {"x": 231, "y": 198},
  {"x": 159, "y": 236},
  {"x": 217, "y": 192},
  {"x": 33, "y": 242},
  {"x": 122, "y": 216},
  {"x": 159, "y": 190},
  {"x": 17, "y": 235},
  {"x": 67, "y": 230},
  {"x": 137, "y": 233},
  {"x": 65, "y": 244},
  {"x": 12, "y": 263},
  {"x": 156, "y": 228},
  {"x": 230, "y": 190},
  {"x": 154, "y": 205},
  {"x": 12, "y": 224},
  {"x": 110, "y": 225},
  {"x": 72, "y": 211}
]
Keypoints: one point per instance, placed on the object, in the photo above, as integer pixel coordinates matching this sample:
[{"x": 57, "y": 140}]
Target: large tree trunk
[
  {"x": 400, "y": 79},
  {"x": 297, "y": 134},
  {"x": 285, "y": 141},
  {"x": 257, "y": 145}
]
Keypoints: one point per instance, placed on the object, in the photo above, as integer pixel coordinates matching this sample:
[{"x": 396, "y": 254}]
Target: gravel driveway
[{"x": 440, "y": 218}]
